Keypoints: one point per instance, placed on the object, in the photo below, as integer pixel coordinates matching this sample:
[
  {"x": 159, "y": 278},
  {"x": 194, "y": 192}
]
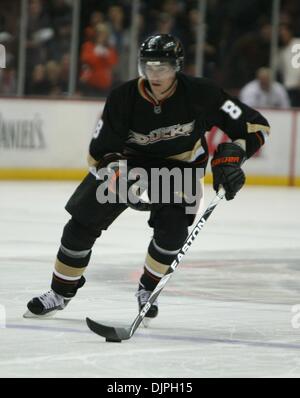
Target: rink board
[{"x": 48, "y": 139}]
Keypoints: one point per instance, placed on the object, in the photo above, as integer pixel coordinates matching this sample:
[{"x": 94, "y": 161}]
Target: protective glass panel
[{"x": 48, "y": 41}]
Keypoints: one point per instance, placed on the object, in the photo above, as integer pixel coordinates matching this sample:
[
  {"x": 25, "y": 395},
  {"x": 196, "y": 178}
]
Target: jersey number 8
[
  {"x": 233, "y": 110},
  {"x": 98, "y": 128}
]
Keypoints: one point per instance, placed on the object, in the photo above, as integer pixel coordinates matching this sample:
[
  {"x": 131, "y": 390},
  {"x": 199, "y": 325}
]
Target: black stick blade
[{"x": 108, "y": 332}]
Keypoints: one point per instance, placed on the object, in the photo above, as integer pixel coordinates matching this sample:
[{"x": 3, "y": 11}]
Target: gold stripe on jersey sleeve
[
  {"x": 91, "y": 161},
  {"x": 254, "y": 128},
  {"x": 66, "y": 270},
  {"x": 187, "y": 156}
]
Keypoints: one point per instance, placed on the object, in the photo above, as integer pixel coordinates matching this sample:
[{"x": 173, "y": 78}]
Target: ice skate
[
  {"x": 142, "y": 296},
  {"x": 46, "y": 305}
]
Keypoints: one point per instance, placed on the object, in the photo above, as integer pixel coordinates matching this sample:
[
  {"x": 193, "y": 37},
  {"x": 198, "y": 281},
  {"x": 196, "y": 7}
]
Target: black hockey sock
[
  {"x": 68, "y": 271},
  {"x": 170, "y": 225},
  {"x": 157, "y": 263},
  {"x": 72, "y": 258},
  {"x": 65, "y": 288}
]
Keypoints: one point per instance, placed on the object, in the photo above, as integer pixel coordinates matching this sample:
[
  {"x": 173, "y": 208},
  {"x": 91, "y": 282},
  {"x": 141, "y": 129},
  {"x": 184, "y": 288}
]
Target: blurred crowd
[{"x": 237, "y": 45}]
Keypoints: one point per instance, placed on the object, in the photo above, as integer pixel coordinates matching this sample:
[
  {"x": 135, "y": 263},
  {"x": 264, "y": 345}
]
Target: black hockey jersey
[{"x": 174, "y": 128}]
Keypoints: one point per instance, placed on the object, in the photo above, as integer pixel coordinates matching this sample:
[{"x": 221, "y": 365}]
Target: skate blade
[
  {"x": 146, "y": 322},
  {"x": 29, "y": 315}
]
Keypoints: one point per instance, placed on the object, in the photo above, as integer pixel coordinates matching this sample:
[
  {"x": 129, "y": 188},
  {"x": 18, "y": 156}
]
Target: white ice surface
[{"x": 226, "y": 312}]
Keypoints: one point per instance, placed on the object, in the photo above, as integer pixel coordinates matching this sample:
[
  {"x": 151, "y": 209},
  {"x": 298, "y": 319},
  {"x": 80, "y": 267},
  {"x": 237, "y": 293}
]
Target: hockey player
[{"x": 162, "y": 115}]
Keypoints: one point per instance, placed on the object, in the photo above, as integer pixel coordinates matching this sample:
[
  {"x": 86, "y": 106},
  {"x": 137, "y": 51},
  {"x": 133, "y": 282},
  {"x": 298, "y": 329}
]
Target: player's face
[{"x": 160, "y": 76}]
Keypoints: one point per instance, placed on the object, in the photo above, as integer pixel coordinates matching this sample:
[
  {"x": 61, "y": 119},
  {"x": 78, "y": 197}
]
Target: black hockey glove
[{"x": 226, "y": 168}]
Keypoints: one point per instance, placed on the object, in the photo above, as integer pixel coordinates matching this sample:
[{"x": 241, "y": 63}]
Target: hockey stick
[{"x": 117, "y": 334}]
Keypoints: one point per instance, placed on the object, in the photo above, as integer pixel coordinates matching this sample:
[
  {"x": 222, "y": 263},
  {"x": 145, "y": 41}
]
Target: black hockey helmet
[{"x": 161, "y": 48}]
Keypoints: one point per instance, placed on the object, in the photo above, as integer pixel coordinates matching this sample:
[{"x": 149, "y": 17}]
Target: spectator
[
  {"x": 98, "y": 59},
  {"x": 165, "y": 24},
  {"x": 249, "y": 53},
  {"x": 262, "y": 93},
  {"x": 290, "y": 74},
  {"x": 61, "y": 13},
  {"x": 167, "y": 18},
  {"x": 39, "y": 83},
  {"x": 116, "y": 22},
  {"x": 39, "y": 32},
  {"x": 190, "y": 45},
  {"x": 4, "y": 34},
  {"x": 156, "y": 12},
  {"x": 61, "y": 17},
  {"x": 8, "y": 83},
  {"x": 119, "y": 38},
  {"x": 96, "y": 18},
  {"x": 173, "y": 8},
  {"x": 9, "y": 39},
  {"x": 57, "y": 84},
  {"x": 65, "y": 71},
  {"x": 290, "y": 13}
]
